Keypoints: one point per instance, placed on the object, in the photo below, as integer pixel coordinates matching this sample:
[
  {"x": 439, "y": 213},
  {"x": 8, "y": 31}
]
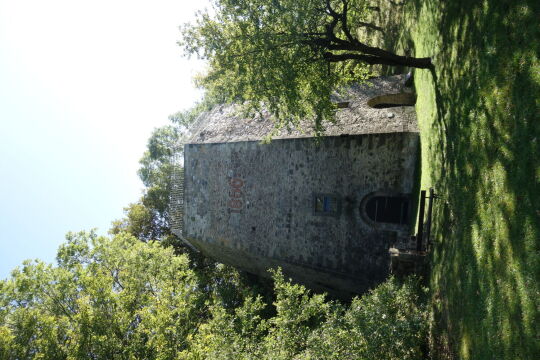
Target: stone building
[{"x": 326, "y": 211}]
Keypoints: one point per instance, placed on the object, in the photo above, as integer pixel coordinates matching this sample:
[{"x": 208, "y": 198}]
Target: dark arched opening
[{"x": 388, "y": 209}]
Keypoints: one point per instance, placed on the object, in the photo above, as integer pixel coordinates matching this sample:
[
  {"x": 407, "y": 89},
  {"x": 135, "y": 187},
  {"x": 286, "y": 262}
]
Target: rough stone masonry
[{"x": 324, "y": 210}]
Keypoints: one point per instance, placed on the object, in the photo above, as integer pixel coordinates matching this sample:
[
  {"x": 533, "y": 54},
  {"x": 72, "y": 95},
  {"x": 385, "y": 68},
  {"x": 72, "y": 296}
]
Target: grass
[{"x": 479, "y": 116}]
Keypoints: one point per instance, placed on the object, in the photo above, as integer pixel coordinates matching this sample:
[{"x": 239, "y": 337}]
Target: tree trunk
[
  {"x": 421, "y": 63},
  {"x": 394, "y": 60},
  {"x": 389, "y": 58},
  {"x": 330, "y": 41}
]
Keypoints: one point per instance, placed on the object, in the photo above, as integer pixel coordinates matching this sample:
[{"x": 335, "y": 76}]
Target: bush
[
  {"x": 121, "y": 298},
  {"x": 390, "y": 322}
]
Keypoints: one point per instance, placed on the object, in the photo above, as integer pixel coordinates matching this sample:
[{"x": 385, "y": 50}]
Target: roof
[{"x": 225, "y": 123}]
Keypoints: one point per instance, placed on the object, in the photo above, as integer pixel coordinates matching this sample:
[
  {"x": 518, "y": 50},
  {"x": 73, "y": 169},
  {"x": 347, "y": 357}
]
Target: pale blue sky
[{"x": 82, "y": 85}]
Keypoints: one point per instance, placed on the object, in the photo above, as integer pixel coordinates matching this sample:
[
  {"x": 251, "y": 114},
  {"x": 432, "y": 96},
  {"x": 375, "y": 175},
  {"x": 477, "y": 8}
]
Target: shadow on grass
[
  {"x": 482, "y": 145},
  {"x": 484, "y": 161}
]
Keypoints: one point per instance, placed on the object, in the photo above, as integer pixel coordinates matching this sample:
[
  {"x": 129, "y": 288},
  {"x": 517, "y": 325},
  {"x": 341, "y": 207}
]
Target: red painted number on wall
[{"x": 236, "y": 202}]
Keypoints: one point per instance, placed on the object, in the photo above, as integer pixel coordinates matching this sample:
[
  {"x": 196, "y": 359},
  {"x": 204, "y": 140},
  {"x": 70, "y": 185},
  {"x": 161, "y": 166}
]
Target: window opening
[
  {"x": 326, "y": 204},
  {"x": 388, "y": 209}
]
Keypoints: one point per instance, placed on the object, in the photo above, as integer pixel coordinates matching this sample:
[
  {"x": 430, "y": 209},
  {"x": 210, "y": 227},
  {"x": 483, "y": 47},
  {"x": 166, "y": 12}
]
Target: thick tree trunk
[
  {"x": 356, "y": 50},
  {"x": 421, "y": 63},
  {"x": 394, "y": 60}
]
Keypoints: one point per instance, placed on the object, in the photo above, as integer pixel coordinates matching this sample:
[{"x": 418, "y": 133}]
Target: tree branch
[
  {"x": 331, "y": 11},
  {"x": 335, "y": 19},
  {"x": 344, "y": 24}
]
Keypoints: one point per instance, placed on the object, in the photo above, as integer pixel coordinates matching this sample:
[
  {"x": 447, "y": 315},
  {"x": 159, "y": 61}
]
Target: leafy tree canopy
[
  {"x": 163, "y": 146},
  {"x": 287, "y": 56},
  {"x": 148, "y": 219},
  {"x": 121, "y": 298},
  {"x": 106, "y": 299}
]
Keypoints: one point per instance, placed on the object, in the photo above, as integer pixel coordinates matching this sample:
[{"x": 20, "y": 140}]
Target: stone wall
[{"x": 252, "y": 205}]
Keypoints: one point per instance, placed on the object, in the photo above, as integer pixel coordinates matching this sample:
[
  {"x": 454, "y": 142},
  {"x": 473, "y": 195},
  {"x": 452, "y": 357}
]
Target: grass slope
[{"x": 479, "y": 117}]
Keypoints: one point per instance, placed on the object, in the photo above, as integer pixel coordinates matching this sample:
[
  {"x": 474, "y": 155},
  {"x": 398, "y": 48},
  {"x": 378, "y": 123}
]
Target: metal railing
[
  {"x": 176, "y": 206},
  {"x": 424, "y": 228}
]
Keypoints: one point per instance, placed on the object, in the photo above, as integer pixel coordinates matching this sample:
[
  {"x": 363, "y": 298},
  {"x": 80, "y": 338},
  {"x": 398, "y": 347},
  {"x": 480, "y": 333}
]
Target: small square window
[{"x": 325, "y": 204}]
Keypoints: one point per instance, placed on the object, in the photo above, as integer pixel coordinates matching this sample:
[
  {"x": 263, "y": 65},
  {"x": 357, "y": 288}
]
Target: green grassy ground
[{"x": 479, "y": 115}]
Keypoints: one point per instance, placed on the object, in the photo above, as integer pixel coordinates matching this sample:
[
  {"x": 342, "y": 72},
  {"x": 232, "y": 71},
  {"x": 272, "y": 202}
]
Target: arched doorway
[{"x": 388, "y": 209}]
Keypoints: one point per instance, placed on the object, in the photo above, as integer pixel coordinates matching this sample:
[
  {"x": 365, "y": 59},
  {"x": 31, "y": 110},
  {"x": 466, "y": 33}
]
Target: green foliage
[
  {"x": 106, "y": 299},
  {"x": 388, "y": 323},
  {"x": 121, "y": 298},
  {"x": 156, "y": 164},
  {"x": 272, "y": 54},
  {"x": 138, "y": 222},
  {"x": 148, "y": 219}
]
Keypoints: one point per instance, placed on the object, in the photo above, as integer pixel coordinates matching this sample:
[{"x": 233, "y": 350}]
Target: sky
[{"x": 82, "y": 86}]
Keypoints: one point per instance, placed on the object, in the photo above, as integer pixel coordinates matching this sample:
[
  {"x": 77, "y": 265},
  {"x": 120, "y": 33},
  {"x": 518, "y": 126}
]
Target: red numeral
[
  {"x": 235, "y": 193},
  {"x": 237, "y": 183},
  {"x": 235, "y": 204}
]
